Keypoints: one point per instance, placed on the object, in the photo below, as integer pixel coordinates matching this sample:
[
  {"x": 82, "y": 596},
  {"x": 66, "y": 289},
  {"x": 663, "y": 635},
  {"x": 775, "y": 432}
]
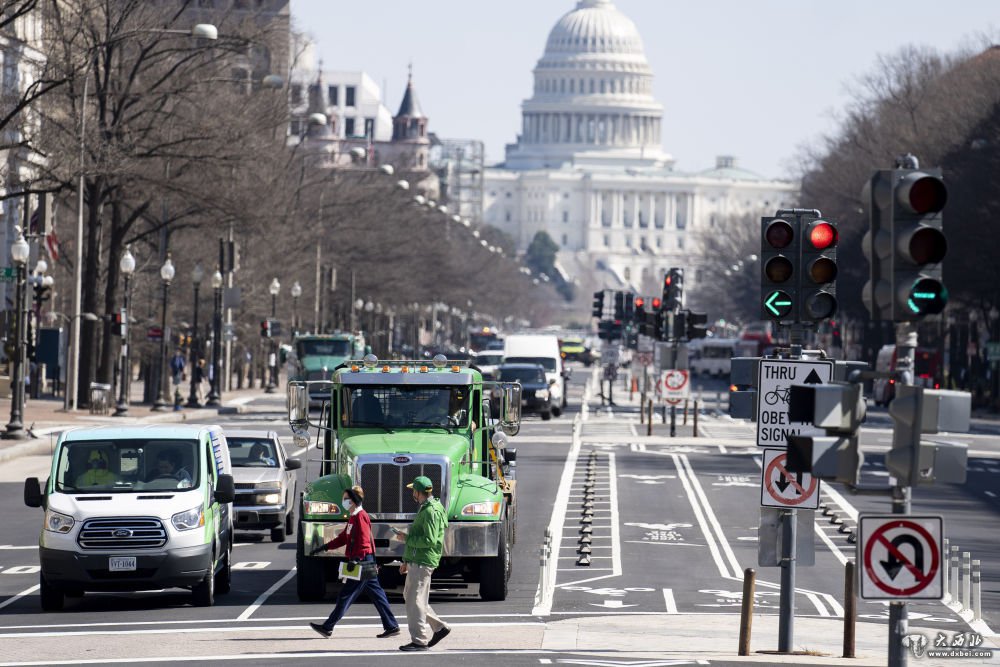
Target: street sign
[
  {"x": 774, "y": 380},
  {"x": 8, "y": 274},
  {"x": 154, "y": 333},
  {"x": 780, "y": 488},
  {"x": 769, "y": 537},
  {"x": 676, "y": 385},
  {"x": 231, "y": 297},
  {"x": 900, "y": 557},
  {"x": 609, "y": 354}
]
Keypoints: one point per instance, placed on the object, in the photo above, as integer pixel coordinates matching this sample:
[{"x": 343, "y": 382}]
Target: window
[
  {"x": 332, "y": 95},
  {"x": 565, "y": 216},
  {"x": 297, "y": 93},
  {"x": 565, "y": 240},
  {"x": 506, "y": 216},
  {"x": 507, "y": 195},
  {"x": 370, "y": 127},
  {"x": 680, "y": 243},
  {"x": 659, "y": 242},
  {"x": 607, "y": 240},
  {"x": 349, "y": 127},
  {"x": 627, "y": 273},
  {"x": 349, "y": 96},
  {"x": 295, "y": 127}
]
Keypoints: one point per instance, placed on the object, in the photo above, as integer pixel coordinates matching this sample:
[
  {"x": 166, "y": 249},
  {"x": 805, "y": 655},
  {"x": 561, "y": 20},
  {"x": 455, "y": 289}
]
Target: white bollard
[
  {"x": 946, "y": 598},
  {"x": 966, "y": 580},
  {"x": 953, "y": 571},
  {"x": 977, "y": 600}
]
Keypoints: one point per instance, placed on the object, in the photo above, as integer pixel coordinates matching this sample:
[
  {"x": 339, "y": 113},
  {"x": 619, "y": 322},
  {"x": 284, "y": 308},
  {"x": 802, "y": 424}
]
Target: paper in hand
[{"x": 348, "y": 572}]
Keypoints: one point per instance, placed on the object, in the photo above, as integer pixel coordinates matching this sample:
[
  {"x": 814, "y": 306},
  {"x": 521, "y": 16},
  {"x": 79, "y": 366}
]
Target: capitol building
[{"x": 589, "y": 168}]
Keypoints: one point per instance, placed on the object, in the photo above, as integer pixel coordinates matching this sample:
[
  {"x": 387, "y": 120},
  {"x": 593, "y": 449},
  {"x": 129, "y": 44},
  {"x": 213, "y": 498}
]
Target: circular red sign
[
  {"x": 879, "y": 536},
  {"x": 779, "y": 464}
]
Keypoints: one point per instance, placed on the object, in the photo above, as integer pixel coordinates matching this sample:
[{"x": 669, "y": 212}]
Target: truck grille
[
  {"x": 385, "y": 486},
  {"x": 123, "y": 533}
]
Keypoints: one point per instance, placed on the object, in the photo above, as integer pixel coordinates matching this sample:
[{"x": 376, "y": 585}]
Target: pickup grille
[
  {"x": 122, "y": 533},
  {"x": 385, "y": 486}
]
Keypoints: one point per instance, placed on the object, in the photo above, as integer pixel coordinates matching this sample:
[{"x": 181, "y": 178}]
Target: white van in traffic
[
  {"x": 544, "y": 350},
  {"x": 712, "y": 356},
  {"x": 136, "y": 508}
]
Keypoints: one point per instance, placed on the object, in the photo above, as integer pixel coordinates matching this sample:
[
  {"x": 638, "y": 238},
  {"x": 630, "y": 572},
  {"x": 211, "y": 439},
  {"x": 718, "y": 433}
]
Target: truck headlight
[
  {"x": 58, "y": 523},
  {"x": 320, "y": 507},
  {"x": 542, "y": 394},
  {"x": 192, "y": 518},
  {"x": 272, "y": 499},
  {"x": 481, "y": 509}
]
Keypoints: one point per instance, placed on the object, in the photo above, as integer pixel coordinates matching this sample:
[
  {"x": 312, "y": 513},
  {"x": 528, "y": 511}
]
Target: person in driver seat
[
  {"x": 168, "y": 464},
  {"x": 259, "y": 454}
]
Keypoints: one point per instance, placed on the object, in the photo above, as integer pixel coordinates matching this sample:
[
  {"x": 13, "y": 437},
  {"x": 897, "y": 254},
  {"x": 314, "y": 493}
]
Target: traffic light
[
  {"x": 629, "y": 307},
  {"x": 905, "y": 244},
  {"x": 838, "y": 409},
  {"x": 265, "y": 328},
  {"x": 779, "y": 254},
  {"x": 678, "y": 325},
  {"x": 619, "y": 305},
  {"x": 597, "y": 309},
  {"x": 818, "y": 277},
  {"x": 913, "y": 462},
  {"x": 673, "y": 289},
  {"x": 697, "y": 325},
  {"x": 639, "y": 316}
]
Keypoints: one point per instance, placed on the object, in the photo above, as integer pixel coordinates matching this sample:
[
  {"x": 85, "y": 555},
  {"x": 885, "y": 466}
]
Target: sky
[{"x": 757, "y": 79}]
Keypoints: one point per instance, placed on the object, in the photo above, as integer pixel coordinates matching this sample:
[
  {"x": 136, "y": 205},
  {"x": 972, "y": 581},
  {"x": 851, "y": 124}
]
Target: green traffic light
[
  {"x": 778, "y": 303},
  {"x": 928, "y": 296}
]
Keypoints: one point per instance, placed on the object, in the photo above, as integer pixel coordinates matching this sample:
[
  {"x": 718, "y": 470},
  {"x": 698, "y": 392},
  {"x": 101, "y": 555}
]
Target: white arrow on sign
[{"x": 612, "y": 604}]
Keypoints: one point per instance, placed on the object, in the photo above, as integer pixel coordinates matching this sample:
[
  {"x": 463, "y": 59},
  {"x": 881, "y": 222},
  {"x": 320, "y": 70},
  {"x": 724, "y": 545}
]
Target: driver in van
[
  {"x": 168, "y": 464},
  {"x": 97, "y": 472}
]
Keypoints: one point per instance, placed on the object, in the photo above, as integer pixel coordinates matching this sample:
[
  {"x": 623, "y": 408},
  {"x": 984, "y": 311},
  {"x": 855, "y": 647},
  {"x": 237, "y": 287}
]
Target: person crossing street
[{"x": 424, "y": 545}]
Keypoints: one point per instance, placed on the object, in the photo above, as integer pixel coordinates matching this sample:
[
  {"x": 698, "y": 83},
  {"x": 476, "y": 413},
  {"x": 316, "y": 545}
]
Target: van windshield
[
  {"x": 548, "y": 363},
  {"x": 122, "y": 466}
]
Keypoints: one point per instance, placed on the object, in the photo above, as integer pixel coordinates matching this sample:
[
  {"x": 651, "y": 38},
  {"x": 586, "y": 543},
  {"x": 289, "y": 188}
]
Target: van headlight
[
  {"x": 58, "y": 523},
  {"x": 192, "y": 518},
  {"x": 320, "y": 507},
  {"x": 481, "y": 509}
]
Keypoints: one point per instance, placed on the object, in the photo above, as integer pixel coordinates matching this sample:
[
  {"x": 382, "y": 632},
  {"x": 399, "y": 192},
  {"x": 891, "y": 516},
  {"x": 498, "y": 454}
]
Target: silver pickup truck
[{"x": 265, "y": 483}]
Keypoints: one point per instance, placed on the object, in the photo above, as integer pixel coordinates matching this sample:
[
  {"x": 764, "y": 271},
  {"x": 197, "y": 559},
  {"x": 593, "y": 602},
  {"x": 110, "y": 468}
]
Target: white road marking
[
  {"x": 991, "y": 494},
  {"x": 262, "y": 598},
  {"x": 11, "y": 547},
  {"x": 15, "y": 598},
  {"x": 23, "y": 569},
  {"x": 668, "y": 598},
  {"x": 252, "y": 565},
  {"x": 834, "y": 549}
]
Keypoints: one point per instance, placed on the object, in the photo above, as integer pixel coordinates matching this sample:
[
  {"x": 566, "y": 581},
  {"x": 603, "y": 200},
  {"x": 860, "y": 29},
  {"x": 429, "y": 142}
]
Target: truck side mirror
[
  {"x": 298, "y": 406},
  {"x": 33, "y": 492},
  {"x": 510, "y": 414},
  {"x": 292, "y": 464},
  {"x": 225, "y": 490}
]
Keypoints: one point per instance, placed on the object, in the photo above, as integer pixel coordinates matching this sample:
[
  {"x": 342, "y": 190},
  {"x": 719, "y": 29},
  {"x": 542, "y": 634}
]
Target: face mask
[{"x": 348, "y": 505}]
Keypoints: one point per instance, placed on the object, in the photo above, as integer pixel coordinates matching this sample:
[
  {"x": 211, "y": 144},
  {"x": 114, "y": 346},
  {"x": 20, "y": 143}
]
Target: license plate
[{"x": 121, "y": 564}]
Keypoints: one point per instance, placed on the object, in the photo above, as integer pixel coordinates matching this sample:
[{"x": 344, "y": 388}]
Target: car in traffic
[
  {"x": 487, "y": 362},
  {"x": 536, "y": 395},
  {"x": 575, "y": 349},
  {"x": 265, "y": 480},
  {"x": 135, "y": 508}
]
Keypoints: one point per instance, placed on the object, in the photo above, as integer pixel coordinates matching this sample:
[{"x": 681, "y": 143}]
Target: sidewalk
[{"x": 45, "y": 418}]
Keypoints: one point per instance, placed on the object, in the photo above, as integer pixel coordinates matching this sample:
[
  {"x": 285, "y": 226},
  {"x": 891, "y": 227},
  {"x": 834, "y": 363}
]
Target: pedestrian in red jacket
[{"x": 360, "y": 547}]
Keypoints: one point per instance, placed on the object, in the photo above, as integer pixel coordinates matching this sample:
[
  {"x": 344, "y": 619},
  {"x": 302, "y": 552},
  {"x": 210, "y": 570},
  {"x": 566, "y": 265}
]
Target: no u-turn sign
[{"x": 900, "y": 557}]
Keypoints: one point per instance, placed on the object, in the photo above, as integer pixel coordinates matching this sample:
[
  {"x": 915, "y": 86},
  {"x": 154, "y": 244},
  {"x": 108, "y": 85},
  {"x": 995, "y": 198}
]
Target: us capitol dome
[{"x": 588, "y": 167}]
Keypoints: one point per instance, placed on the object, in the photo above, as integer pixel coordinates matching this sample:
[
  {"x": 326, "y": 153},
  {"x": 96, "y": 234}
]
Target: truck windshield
[
  {"x": 406, "y": 406},
  {"x": 113, "y": 466},
  {"x": 548, "y": 363},
  {"x": 323, "y": 348}
]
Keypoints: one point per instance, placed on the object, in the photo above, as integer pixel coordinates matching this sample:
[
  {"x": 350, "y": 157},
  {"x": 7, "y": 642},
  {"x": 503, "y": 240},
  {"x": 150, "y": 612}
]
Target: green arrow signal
[{"x": 772, "y": 303}]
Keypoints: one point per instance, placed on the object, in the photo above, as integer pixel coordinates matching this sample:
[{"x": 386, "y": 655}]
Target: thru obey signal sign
[
  {"x": 780, "y": 488},
  {"x": 900, "y": 557}
]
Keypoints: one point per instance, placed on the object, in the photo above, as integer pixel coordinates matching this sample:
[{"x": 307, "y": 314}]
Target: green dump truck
[
  {"x": 314, "y": 356},
  {"x": 381, "y": 425}
]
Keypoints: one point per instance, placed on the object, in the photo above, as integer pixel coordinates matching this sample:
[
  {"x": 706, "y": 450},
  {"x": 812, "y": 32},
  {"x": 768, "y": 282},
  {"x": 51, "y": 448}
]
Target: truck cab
[
  {"x": 385, "y": 423},
  {"x": 314, "y": 356}
]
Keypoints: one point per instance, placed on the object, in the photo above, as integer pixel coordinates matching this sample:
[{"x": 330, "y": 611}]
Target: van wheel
[
  {"x": 278, "y": 534},
  {"x": 310, "y": 575},
  {"x": 494, "y": 572},
  {"x": 203, "y": 594},
  {"x": 556, "y": 411},
  {"x": 224, "y": 577},
  {"x": 52, "y": 596}
]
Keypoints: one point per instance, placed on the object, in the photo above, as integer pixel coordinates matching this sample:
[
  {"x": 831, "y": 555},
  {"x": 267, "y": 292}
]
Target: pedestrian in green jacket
[{"x": 424, "y": 544}]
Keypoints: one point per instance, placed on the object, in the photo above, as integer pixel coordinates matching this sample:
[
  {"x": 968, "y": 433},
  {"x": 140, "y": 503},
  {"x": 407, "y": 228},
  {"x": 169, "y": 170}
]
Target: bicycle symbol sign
[{"x": 775, "y": 380}]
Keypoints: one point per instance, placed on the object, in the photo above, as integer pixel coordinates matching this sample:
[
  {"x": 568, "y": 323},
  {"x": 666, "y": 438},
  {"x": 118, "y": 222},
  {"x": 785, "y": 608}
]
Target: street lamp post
[
  {"x": 213, "y": 396},
  {"x": 274, "y": 288},
  {"x": 197, "y": 274},
  {"x": 296, "y": 293},
  {"x": 166, "y": 275},
  {"x": 19, "y": 252},
  {"x": 127, "y": 267}
]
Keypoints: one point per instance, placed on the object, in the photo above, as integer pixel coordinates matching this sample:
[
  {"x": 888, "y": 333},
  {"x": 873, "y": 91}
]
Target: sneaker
[
  {"x": 391, "y": 632},
  {"x": 413, "y": 646},
  {"x": 438, "y": 636},
  {"x": 321, "y": 630}
]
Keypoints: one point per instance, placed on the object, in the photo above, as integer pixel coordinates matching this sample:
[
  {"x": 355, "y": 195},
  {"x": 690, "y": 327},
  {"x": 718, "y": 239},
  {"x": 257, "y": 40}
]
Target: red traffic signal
[
  {"x": 822, "y": 235},
  {"x": 639, "y": 302},
  {"x": 656, "y": 303}
]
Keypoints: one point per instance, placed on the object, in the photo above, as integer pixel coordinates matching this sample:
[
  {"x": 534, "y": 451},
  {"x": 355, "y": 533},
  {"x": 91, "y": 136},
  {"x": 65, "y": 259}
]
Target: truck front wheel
[
  {"x": 310, "y": 575},
  {"x": 494, "y": 572},
  {"x": 52, "y": 596}
]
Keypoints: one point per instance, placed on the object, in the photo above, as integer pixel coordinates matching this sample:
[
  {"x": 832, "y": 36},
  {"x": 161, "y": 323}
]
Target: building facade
[{"x": 588, "y": 167}]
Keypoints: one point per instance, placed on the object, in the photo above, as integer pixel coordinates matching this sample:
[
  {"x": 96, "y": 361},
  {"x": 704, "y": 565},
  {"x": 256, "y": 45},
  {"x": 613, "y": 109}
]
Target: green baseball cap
[{"x": 421, "y": 484}]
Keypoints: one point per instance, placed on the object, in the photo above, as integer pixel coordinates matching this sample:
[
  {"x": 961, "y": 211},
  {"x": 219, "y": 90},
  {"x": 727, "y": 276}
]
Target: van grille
[
  {"x": 122, "y": 533},
  {"x": 385, "y": 486}
]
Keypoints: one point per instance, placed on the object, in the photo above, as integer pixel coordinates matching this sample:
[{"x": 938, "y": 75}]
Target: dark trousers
[{"x": 351, "y": 590}]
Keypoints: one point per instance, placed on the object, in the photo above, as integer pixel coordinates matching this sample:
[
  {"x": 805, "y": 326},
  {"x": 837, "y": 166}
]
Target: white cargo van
[
  {"x": 544, "y": 350},
  {"x": 712, "y": 356},
  {"x": 136, "y": 508}
]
